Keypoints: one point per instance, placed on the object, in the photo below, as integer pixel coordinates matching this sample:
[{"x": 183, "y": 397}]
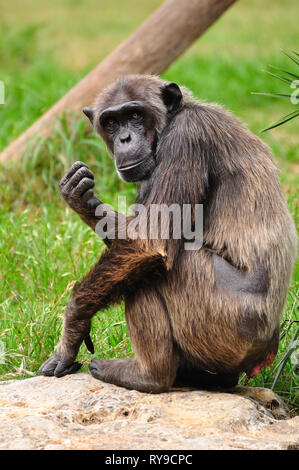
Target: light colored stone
[{"x": 80, "y": 412}]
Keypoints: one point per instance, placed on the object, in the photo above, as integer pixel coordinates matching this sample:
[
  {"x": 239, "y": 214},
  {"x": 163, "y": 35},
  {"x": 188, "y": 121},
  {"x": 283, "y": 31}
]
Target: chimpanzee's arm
[{"x": 119, "y": 272}]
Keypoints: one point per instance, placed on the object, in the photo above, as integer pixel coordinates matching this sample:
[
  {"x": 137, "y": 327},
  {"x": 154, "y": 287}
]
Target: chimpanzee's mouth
[{"x": 129, "y": 166}]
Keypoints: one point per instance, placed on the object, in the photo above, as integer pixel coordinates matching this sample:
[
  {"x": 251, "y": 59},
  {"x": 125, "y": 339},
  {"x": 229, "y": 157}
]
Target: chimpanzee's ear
[
  {"x": 89, "y": 113},
  {"x": 172, "y": 96}
]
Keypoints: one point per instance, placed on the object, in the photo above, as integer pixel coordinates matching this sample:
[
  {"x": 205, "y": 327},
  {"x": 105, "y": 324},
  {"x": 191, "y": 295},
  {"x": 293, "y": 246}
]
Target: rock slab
[{"x": 80, "y": 412}]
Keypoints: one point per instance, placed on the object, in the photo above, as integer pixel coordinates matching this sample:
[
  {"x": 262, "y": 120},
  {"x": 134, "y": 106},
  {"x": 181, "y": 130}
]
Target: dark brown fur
[{"x": 192, "y": 318}]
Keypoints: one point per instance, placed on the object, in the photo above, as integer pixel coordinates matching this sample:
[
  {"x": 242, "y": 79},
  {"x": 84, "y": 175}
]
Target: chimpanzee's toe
[{"x": 96, "y": 368}]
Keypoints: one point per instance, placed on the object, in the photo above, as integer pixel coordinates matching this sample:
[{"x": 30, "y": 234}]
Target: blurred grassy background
[{"x": 45, "y": 48}]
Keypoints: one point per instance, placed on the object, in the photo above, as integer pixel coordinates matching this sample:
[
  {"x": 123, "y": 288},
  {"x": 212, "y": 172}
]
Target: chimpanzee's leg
[
  {"x": 190, "y": 375},
  {"x": 118, "y": 273},
  {"x": 154, "y": 366}
]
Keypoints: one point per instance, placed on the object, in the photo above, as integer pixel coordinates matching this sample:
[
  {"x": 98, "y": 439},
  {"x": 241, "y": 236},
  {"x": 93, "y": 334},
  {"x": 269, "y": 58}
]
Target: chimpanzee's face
[
  {"x": 129, "y": 129},
  {"x": 130, "y": 134}
]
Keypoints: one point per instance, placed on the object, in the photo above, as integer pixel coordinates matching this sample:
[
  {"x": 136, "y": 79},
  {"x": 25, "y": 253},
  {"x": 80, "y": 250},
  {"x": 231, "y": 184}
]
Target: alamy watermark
[
  {"x": 2, "y": 92},
  {"x": 157, "y": 221},
  {"x": 295, "y": 94}
]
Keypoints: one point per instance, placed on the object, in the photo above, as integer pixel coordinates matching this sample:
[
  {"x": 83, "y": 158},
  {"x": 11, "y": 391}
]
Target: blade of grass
[
  {"x": 284, "y": 71},
  {"x": 292, "y": 347},
  {"x": 286, "y": 118},
  {"x": 274, "y": 95},
  {"x": 287, "y": 80},
  {"x": 291, "y": 57}
]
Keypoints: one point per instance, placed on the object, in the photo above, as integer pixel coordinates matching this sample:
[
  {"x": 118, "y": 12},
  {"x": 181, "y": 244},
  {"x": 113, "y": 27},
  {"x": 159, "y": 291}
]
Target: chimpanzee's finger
[
  {"x": 62, "y": 370},
  {"x": 49, "y": 366},
  {"x": 83, "y": 172},
  {"x": 82, "y": 186},
  {"x": 71, "y": 172},
  {"x": 89, "y": 194}
]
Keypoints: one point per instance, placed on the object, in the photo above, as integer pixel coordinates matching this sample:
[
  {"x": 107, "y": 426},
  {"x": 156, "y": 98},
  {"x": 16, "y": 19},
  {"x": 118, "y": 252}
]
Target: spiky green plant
[{"x": 293, "y": 80}]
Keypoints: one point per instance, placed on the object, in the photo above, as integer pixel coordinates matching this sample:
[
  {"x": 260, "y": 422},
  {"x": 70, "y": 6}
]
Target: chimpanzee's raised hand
[{"x": 76, "y": 189}]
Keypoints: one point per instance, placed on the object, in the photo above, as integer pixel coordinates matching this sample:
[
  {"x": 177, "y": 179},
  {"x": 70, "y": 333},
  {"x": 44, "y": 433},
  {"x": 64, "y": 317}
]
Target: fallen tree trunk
[{"x": 166, "y": 34}]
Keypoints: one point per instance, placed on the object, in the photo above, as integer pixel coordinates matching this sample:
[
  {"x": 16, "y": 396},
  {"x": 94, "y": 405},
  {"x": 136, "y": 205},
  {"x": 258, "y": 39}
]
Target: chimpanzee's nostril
[{"x": 125, "y": 138}]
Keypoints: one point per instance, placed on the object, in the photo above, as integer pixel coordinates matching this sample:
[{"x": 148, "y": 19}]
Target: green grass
[{"x": 44, "y": 247}]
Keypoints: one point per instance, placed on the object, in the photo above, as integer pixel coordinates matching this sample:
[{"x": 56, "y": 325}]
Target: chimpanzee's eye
[
  {"x": 110, "y": 125},
  {"x": 135, "y": 115}
]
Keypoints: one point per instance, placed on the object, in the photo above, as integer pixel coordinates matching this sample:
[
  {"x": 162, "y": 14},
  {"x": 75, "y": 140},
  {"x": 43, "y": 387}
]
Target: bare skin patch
[
  {"x": 267, "y": 362},
  {"x": 236, "y": 281}
]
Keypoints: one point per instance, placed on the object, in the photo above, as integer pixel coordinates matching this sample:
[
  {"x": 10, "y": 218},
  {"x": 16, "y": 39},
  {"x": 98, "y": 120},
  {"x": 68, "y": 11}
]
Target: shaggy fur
[{"x": 195, "y": 317}]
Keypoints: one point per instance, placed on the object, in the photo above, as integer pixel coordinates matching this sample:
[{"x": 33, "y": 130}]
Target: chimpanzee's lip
[{"x": 131, "y": 165}]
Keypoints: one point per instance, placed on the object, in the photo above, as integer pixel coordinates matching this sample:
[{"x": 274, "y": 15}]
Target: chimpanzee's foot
[{"x": 125, "y": 373}]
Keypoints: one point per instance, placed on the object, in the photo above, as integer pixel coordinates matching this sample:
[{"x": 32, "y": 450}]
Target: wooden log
[{"x": 166, "y": 34}]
